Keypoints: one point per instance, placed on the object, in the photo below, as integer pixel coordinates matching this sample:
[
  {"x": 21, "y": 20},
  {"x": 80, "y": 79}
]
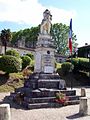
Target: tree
[
  {"x": 5, "y": 37},
  {"x": 30, "y": 36},
  {"x": 60, "y": 34},
  {"x": 34, "y": 35},
  {"x": 15, "y": 37}
]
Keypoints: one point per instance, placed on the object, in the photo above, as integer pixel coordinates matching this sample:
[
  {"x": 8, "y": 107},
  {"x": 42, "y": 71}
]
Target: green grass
[
  {"x": 16, "y": 75},
  {"x": 8, "y": 84},
  {"x": 11, "y": 87},
  {"x": 6, "y": 88}
]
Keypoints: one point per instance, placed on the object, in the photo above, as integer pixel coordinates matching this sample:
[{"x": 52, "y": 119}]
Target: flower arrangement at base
[{"x": 61, "y": 98}]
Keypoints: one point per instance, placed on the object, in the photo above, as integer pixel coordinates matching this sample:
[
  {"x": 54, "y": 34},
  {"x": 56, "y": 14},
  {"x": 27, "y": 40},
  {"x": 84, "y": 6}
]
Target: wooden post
[
  {"x": 83, "y": 108},
  {"x": 5, "y": 112}
]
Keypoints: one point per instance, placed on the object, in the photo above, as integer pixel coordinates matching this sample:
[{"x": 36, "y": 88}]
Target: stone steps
[
  {"x": 47, "y": 99},
  {"x": 74, "y": 98},
  {"x": 51, "y": 104},
  {"x": 44, "y": 92},
  {"x": 51, "y": 83},
  {"x": 41, "y": 92},
  {"x": 73, "y": 102},
  {"x": 39, "y": 100},
  {"x": 49, "y": 76},
  {"x": 43, "y": 105}
]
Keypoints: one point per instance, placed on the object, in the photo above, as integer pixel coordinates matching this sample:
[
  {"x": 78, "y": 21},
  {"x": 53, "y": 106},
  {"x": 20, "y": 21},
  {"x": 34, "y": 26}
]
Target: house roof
[{"x": 86, "y": 46}]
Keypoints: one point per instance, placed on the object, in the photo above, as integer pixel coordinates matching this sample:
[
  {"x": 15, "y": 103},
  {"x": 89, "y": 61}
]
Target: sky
[{"x": 21, "y": 14}]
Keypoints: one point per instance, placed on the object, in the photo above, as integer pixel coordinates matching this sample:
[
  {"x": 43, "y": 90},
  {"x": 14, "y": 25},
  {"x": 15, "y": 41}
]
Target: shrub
[
  {"x": 57, "y": 65},
  {"x": 59, "y": 71},
  {"x": 30, "y": 55},
  {"x": 81, "y": 64},
  {"x": 10, "y": 64},
  {"x": 25, "y": 61},
  {"x": 13, "y": 53},
  {"x": 67, "y": 67}
]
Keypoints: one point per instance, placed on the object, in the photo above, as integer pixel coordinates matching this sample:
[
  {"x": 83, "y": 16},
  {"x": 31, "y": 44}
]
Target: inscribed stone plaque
[
  {"x": 48, "y": 69},
  {"x": 48, "y": 63}
]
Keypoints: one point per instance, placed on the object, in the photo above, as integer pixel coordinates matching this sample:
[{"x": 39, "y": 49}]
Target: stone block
[
  {"x": 48, "y": 84},
  {"x": 83, "y": 92},
  {"x": 83, "y": 108},
  {"x": 5, "y": 112}
]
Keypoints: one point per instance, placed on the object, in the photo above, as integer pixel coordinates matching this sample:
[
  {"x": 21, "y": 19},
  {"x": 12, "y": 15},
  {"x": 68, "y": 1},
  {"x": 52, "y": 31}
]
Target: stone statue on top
[{"x": 46, "y": 23}]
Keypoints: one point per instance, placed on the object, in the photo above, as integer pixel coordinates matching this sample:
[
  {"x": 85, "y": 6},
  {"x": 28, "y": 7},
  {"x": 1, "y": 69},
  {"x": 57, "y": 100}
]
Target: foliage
[
  {"x": 10, "y": 64},
  {"x": 60, "y": 36},
  {"x": 30, "y": 55},
  {"x": 5, "y": 37},
  {"x": 81, "y": 64},
  {"x": 67, "y": 67},
  {"x": 25, "y": 61},
  {"x": 61, "y": 98},
  {"x": 6, "y": 88},
  {"x": 18, "y": 75},
  {"x": 59, "y": 71},
  {"x": 11, "y": 86},
  {"x": 60, "y": 95},
  {"x": 32, "y": 63},
  {"x": 57, "y": 65},
  {"x": 30, "y": 36},
  {"x": 13, "y": 53}
]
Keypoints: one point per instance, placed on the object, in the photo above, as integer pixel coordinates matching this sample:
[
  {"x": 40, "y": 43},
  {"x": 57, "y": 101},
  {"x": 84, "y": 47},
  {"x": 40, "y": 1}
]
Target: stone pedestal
[
  {"x": 83, "y": 108},
  {"x": 5, "y": 112},
  {"x": 44, "y": 60},
  {"x": 44, "y": 55}
]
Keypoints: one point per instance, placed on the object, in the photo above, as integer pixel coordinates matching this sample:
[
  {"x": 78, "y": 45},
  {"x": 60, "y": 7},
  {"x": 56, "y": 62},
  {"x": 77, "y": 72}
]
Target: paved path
[{"x": 63, "y": 113}]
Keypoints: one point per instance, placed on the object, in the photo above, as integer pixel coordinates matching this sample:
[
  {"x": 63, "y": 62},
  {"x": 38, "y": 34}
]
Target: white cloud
[
  {"x": 31, "y": 12},
  {"x": 61, "y": 15}
]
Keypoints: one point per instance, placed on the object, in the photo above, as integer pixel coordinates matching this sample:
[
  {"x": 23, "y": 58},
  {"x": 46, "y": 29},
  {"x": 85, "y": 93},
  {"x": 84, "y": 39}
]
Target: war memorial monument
[{"x": 40, "y": 88}]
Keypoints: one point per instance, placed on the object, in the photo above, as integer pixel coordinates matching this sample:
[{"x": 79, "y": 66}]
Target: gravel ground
[{"x": 63, "y": 113}]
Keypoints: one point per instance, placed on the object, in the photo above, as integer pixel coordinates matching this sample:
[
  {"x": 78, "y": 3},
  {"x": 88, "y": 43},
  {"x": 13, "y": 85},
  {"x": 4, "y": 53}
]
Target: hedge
[
  {"x": 66, "y": 67},
  {"x": 30, "y": 55},
  {"x": 10, "y": 64},
  {"x": 81, "y": 64},
  {"x": 25, "y": 61},
  {"x": 13, "y": 53}
]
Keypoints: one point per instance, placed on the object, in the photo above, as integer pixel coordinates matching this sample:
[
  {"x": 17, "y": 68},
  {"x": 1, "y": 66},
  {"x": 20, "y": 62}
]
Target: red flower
[{"x": 62, "y": 100}]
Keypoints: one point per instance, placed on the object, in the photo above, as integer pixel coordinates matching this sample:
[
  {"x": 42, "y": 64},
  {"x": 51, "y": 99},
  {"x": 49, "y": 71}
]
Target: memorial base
[{"x": 40, "y": 90}]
